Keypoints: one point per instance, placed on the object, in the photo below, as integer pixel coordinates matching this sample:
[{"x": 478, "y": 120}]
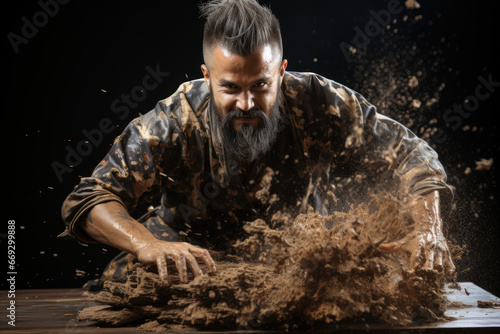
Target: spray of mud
[
  {"x": 407, "y": 73},
  {"x": 290, "y": 272}
]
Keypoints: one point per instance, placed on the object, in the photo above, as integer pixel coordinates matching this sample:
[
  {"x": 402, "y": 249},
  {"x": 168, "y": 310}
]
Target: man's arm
[
  {"x": 426, "y": 243},
  {"x": 384, "y": 156},
  {"x": 111, "y": 224}
]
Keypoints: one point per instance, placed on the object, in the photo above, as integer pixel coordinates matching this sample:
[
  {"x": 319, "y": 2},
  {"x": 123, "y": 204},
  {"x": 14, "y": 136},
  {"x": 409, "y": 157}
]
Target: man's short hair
[{"x": 240, "y": 26}]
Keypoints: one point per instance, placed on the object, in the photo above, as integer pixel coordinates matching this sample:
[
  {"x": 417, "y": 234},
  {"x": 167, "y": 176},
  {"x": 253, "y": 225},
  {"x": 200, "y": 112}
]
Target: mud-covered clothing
[{"x": 333, "y": 150}]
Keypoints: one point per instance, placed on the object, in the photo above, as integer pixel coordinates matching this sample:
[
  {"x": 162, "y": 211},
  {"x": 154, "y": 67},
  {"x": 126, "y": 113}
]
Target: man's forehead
[
  {"x": 265, "y": 53},
  {"x": 260, "y": 62}
]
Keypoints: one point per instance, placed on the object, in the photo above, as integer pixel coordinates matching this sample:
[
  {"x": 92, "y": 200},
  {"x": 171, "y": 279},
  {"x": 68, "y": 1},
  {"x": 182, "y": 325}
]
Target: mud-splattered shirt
[{"x": 334, "y": 150}]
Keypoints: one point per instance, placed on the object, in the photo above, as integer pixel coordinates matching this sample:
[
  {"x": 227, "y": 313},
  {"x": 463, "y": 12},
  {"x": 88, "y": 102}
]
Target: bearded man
[{"x": 212, "y": 147}]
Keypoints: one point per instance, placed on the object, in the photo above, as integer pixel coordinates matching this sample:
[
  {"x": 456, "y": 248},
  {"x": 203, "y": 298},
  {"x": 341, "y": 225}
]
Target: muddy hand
[
  {"x": 183, "y": 254},
  {"x": 426, "y": 244},
  {"x": 428, "y": 250}
]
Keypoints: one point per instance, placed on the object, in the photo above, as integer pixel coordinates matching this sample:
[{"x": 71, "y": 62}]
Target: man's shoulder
[
  {"x": 315, "y": 93},
  {"x": 191, "y": 97},
  {"x": 195, "y": 92},
  {"x": 181, "y": 110},
  {"x": 308, "y": 80},
  {"x": 313, "y": 87}
]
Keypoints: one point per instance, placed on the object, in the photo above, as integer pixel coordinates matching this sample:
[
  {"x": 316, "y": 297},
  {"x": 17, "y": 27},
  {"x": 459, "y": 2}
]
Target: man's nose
[{"x": 245, "y": 101}]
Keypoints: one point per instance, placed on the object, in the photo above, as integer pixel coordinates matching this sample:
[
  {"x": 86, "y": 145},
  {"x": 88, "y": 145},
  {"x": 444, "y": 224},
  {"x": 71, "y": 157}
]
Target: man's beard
[{"x": 248, "y": 143}]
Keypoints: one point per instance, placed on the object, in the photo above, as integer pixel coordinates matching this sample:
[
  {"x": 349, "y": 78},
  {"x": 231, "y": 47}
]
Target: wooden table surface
[{"x": 54, "y": 310}]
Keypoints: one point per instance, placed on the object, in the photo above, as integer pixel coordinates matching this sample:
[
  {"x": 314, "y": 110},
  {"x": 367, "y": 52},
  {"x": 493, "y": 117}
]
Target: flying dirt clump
[{"x": 289, "y": 272}]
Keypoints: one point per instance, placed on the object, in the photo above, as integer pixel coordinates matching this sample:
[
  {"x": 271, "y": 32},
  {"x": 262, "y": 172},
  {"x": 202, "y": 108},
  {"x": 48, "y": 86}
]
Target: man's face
[{"x": 245, "y": 96}]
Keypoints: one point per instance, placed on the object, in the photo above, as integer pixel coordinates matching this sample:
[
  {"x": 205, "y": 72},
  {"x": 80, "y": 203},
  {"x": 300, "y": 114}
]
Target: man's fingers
[
  {"x": 438, "y": 262},
  {"x": 449, "y": 266},
  {"x": 161, "y": 264},
  {"x": 416, "y": 258},
  {"x": 429, "y": 260},
  {"x": 193, "y": 264},
  {"x": 209, "y": 262},
  {"x": 182, "y": 254},
  {"x": 180, "y": 263},
  {"x": 205, "y": 256}
]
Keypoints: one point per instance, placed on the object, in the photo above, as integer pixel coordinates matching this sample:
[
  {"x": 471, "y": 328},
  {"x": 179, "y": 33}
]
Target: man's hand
[
  {"x": 111, "y": 224},
  {"x": 181, "y": 253},
  {"x": 426, "y": 243}
]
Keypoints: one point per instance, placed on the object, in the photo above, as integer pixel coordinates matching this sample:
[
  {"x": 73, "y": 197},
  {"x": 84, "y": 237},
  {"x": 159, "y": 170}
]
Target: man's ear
[
  {"x": 206, "y": 74},
  {"x": 283, "y": 66}
]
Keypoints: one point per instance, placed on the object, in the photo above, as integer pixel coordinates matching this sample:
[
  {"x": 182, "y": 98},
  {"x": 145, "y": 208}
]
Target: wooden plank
[
  {"x": 54, "y": 311},
  {"x": 471, "y": 316},
  {"x": 468, "y": 317}
]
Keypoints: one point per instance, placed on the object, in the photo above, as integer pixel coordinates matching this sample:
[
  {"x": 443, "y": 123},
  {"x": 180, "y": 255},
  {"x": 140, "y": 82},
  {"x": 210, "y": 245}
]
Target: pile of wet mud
[{"x": 289, "y": 272}]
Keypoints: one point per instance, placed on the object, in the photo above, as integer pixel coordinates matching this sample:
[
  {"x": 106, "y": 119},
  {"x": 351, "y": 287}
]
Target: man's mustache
[{"x": 254, "y": 113}]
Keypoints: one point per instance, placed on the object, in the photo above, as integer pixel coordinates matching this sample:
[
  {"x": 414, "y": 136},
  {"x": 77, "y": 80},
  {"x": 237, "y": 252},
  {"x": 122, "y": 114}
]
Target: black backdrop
[{"x": 71, "y": 73}]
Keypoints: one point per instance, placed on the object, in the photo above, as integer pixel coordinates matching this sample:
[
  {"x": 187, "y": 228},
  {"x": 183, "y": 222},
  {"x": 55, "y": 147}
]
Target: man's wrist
[{"x": 424, "y": 210}]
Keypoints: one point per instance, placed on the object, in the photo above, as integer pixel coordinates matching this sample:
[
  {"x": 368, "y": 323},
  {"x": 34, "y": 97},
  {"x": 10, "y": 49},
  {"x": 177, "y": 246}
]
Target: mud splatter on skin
[{"x": 291, "y": 272}]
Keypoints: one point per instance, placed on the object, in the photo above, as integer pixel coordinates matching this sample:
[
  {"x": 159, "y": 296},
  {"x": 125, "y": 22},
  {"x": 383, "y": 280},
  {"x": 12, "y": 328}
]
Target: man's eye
[
  {"x": 229, "y": 86},
  {"x": 260, "y": 84}
]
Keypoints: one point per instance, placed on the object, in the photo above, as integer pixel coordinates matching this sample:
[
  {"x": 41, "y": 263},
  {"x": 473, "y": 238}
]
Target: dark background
[{"x": 66, "y": 77}]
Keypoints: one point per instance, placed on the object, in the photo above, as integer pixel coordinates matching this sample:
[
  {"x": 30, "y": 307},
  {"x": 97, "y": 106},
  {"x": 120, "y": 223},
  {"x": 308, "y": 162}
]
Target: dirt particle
[
  {"x": 412, "y": 4},
  {"x": 484, "y": 164}
]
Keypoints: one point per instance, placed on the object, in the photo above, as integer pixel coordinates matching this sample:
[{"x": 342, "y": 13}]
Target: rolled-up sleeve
[{"x": 126, "y": 175}]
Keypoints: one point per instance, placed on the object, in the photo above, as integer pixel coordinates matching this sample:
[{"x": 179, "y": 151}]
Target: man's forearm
[
  {"x": 426, "y": 210},
  {"x": 111, "y": 224}
]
